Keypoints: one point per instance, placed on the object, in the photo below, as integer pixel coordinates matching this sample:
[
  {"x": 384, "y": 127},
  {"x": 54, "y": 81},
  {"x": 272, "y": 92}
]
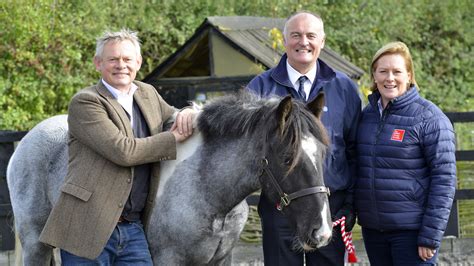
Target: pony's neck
[
  {"x": 222, "y": 172},
  {"x": 230, "y": 172}
]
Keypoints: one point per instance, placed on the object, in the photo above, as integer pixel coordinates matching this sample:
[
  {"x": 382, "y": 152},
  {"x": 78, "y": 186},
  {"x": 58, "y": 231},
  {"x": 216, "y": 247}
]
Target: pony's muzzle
[{"x": 322, "y": 238}]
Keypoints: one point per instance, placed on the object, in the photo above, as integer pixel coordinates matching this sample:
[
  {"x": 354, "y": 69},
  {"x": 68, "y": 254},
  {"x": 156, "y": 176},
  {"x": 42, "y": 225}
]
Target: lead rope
[{"x": 347, "y": 239}]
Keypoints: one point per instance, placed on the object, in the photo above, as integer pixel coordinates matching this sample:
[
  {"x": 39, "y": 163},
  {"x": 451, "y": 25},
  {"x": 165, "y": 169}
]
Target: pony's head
[
  {"x": 285, "y": 145},
  {"x": 292, "y": 170}
]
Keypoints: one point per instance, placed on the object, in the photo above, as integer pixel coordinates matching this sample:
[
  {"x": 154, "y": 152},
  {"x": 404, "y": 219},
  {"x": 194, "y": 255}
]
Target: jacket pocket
[
  {"x": 76, "y": 191},
  {"x": 419, "y": 193}
]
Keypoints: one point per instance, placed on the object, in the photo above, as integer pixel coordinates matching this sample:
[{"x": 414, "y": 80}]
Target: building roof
[{"x": 251, "y": 37}]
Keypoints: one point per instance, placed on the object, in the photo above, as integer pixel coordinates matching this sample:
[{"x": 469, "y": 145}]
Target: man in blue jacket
[{"x": 303, "y": 76}]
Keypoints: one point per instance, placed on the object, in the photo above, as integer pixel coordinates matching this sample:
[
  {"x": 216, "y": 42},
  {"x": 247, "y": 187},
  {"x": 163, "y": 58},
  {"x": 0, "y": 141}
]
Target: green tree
[{"x": 47, "y": 45}]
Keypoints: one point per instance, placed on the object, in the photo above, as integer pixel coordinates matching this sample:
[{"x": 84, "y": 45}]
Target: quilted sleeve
[{"x": 439, "y": 151}]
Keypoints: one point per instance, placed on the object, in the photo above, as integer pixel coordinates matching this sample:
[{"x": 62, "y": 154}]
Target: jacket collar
[
  {"x": 324, "y": 73},
  {"x": 142, "y": 100},
  {"x": 407, "y": 98}
]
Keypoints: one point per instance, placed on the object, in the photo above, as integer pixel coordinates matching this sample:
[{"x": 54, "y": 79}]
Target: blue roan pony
[{"x": 244, "y": 144}]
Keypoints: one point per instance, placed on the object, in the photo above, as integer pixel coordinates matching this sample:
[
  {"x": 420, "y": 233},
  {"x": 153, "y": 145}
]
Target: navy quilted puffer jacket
[{"x": 406, "y": 167}]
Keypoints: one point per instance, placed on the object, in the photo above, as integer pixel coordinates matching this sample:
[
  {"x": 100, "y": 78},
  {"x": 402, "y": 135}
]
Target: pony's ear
[
  {"x": 316, "y": 106},
  {"x": 283, "y": 111}
]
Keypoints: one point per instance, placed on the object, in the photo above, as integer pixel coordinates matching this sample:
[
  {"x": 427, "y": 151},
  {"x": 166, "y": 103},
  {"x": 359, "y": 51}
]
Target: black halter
[{"x": 286, "y": 199}]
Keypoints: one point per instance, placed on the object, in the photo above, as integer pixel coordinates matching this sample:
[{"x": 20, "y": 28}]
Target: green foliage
[
  {"x": 47, "y": 45},
  {"x": 438, "y": 33},
  {"x": 42, "y": 62}
]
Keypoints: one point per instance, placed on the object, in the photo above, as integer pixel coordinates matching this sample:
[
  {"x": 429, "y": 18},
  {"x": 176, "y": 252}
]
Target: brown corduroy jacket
[{"x": 102, "y": 156}]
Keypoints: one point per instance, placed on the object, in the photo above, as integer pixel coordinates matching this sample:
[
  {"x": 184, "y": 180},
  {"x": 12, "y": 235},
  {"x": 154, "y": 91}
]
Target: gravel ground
[{"x": 454, "y": 252}]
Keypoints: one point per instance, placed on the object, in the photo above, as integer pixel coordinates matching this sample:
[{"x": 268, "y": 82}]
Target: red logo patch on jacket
[{"x": 398, "y": 134}]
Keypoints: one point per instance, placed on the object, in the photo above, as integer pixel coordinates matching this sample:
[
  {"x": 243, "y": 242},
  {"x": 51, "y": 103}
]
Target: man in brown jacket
[{"x": 115, "y": 146}]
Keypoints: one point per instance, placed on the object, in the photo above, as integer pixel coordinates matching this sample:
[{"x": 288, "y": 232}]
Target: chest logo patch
[{"x": 398, "y": 135}]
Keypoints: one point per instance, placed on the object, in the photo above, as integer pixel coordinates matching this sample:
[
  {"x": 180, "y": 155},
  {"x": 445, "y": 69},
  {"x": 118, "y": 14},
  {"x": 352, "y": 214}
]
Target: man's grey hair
[
  {"x": 118, "y": 36},
  {"x": 285, "y": 27}
]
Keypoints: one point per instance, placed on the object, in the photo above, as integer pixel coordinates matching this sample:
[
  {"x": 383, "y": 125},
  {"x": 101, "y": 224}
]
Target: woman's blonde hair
[{"x": 394, "y": 48}]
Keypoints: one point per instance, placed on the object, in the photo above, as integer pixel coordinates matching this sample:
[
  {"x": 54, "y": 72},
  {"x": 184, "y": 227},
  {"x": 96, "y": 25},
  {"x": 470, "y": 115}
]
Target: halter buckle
[{"x": 284, "y": 201}]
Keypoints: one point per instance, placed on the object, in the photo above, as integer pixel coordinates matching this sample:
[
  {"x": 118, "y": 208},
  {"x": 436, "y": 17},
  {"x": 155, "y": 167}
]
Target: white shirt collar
[
  {"x": 116, "y": 92},
  {"x": 379, "y": 104},
  {"x": 294, "y": 75},
  {"x": 125, "y": 99}
]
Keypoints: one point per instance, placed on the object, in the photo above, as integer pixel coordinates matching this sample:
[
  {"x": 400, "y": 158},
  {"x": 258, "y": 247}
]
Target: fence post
[
  {"x": 7, "y": 146},
  {"x": 452, "y": 229},
  {"x": 7, "y": 235}
]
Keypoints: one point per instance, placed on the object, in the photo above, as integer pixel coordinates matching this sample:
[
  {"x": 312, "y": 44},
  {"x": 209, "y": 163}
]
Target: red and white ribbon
[{"x": 347, "y": 239}]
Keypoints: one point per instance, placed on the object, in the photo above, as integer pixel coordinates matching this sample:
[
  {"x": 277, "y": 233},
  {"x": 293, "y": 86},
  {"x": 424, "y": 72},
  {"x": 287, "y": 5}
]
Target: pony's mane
[
  {"x": 233, "y": 115},
  {"x": 239, "y": 114}
]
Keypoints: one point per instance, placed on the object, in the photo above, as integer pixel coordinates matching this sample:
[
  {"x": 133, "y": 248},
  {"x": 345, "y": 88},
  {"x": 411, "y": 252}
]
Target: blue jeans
[
  {"x": 394, "y": 248},
  {"x": 127, "y": 246}
]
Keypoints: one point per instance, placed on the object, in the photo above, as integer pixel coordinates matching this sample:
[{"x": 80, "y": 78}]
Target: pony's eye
[{"x": 288, "y": 160}]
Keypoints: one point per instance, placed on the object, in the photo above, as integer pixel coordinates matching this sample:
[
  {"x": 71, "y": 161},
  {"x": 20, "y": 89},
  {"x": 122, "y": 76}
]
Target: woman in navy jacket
[{"x": 406, "y": 166}]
